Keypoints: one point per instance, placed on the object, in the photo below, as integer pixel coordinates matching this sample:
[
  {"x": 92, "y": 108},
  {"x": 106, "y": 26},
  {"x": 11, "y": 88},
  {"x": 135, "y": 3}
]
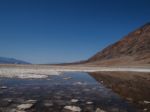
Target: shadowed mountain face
[
  {"x": 4, "y": 60},
  {"x": 133, "y": 47}
]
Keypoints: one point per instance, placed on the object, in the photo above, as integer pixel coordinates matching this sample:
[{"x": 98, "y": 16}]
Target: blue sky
[{"x": 52, "y": 31}]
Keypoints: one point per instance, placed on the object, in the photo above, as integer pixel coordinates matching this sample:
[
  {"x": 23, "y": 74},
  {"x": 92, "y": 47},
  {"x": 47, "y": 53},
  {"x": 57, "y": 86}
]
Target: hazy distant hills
[
  {"x": 132, "y": 49},
  {"x": 4, "y": 60}
]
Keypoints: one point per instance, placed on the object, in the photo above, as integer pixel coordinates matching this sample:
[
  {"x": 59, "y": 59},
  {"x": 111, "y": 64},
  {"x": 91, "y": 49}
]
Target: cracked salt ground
[{"x": 70, "y": 92}]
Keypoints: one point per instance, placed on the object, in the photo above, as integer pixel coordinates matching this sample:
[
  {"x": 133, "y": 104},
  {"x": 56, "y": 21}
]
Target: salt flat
[{"x": 43, "y": 71}]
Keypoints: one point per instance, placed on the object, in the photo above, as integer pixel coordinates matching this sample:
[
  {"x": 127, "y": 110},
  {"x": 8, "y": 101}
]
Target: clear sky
[{"x": 51, "y": 31}]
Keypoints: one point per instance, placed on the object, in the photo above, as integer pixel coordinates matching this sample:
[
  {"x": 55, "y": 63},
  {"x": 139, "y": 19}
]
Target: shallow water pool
[{"x": 55, "y": 92}]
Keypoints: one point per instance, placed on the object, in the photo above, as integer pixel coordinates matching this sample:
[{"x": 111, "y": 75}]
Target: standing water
[{"x": 69, "y": 92}]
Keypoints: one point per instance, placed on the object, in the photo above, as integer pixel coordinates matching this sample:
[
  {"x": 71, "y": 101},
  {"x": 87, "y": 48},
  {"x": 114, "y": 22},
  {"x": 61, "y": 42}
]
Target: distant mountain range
[
  {"x": 132, "y": 49},
  {"x": 4, "y": 60}
]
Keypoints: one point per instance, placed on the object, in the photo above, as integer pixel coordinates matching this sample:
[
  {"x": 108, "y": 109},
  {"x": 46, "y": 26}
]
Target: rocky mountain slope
[
  {"x": 4, "y": 60},
  {"x": 132, "y": 49}
]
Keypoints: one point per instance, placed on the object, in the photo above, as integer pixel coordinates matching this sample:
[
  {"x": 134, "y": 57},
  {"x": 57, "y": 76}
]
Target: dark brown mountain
[{"x": 132, "y": 49}]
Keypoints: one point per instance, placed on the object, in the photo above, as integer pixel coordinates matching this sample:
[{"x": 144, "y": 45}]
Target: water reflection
[
  {"x": 57, "y": 92},
  {"x": 134, "y": 87}
]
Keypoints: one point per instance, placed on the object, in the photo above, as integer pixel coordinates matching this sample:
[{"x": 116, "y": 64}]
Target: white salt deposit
[
  {"x": 45, "y": 72},
  {"x": 27, "y": 73}
]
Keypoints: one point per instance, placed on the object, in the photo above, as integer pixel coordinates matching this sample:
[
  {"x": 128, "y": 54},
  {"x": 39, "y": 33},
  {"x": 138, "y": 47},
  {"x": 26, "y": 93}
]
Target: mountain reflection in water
[
  {"x": 53, "y": 94},
  {"x": 134, "y": 87}
]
